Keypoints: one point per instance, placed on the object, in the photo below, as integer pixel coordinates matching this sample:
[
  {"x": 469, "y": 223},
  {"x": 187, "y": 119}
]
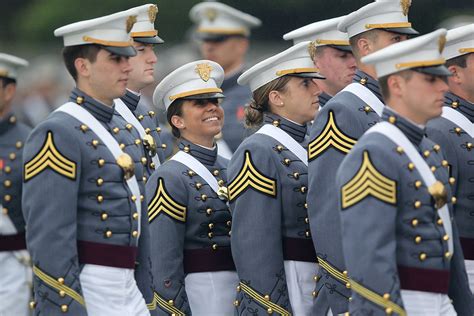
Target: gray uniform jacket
[
  {"x": 236, "y": 97},
  {"x": 270, "y": 222},
  {"x": 458, "y": 148},
  {"x": 393, "y": 237},
  {"x": 12, "y": 137},
  {"x": 190, "y": 226},
  {"x": 78, "y": 208},
  {"x": 334, "y": 132}
]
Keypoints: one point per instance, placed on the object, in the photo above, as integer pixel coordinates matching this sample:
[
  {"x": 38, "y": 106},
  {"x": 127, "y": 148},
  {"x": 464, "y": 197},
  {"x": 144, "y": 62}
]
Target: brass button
[
  {"x": 64, "y": 308},
  {"x": 61, "y": 280},
  {"x": 315, "y": 294},
  {"x": 215, "y": 172},
  {"x": 79, "y": 100},
  {"x": 211, "y": 225},
  {"x": 18, "y": 145},
  {"x": 417, "y": 239},
  {"x": 143, "y": 160},
  {"x": 151, "y": 113},
  {"x": 104, "y": 216},
  {"x": 164, "y": 146},
  {"x": 122, "y": 146},
  {"x": 158, "y": 129},
  {"x": 446, "y": 237},
  {"x": 433, "y": 168},
  {"x": 411, "y": 166},
  {"x": 95, "y": 143},
  {"x": 229, "y": 223},
  {"x": 267, "y": 297},
  {"x": 129, "y": 127},
  {"x": 437, "y": 148},
  {"x": 138, "y": 141},
  {"x": 191, "y": 173},
  {"x": 140, "y": 117},
  {"x": 392, "y": 119},
  {"x": 445, "y": 163},
  {"x": 170, "y": 302},
  {"x": 152, "y": 165},
  {"x": 135, "y": 234},
  {"x": 7, "y": 198},
  {"x": 269, "y": 311},
  {"x": 32, "y": 305},
  {"x": 203, "y": 197},
  {"x": 99, "y": 181},
  {"x": 279, "y": 148},
  {"x": 426, "y": 153},
  {"x": 454, "y": 200},
  {"x": 308, "y": 234},
  {"x": 144, "y": 179},
  {"x": 276, "y": 123},
  {"x": 455, "y": 104},
  {"x": 229, "y": 233},
  {"x": 348, "y": 285},
  {"x": 7, "y": 169},
  {"x": 447, "y": 255},
  {"x": 4, "y": 211},
  {"x": 469, "y": 146},
  {"x": 115, "y": 130},
  {"x": 147, "y": 131},
  {"x": 133, "y": 198},
  {"x": 135, "y": 216},
  {"x": 306, "y": 206},
  {"x": 367, "y": 109},
  {"x": 315, "y": 278},
  {"x": 388, "y": 311},
  {"x": 108, "y": 234},
  {"x": 287, "y": 161},
  {"x": 417, "y": 204},
  {"x": 386, "y": 296},
  {"x": 418, "y": 184},
  {"x": 186, "y": 149},
  {"x": 345, "y": 273},
  {"x": 439, "y": 222},
  {"x": 458, "y": 131},
  {"x": 84, "y": 128},
  {"x": 236, "y": 303},
  {"x": 452, "y": 180},
  {"x": 306, "y": 220},
  {"x": 210, "y": 234},
  {"x": 142, "y": 198},
  {"x": 62, "y": 293},
  {"x": 363, "y": 81},
  {"x": 296, "y": 175},
  {"x": 422, "y": 256},
  {"x": 7, "y": 183},
  {"x": 221, "y": 182},
  {"x": 414, "y": 222},
  {"x": 101, "y": 162},
  {"x": 209, "y": 211},
  {"x": 12, "y": 119},
  {"x": 100, "y": 198},
  {"x": 400, "y": 150},
  {"x": 12, "y": 156},
  {"x": 214, "y": 246},
  {"x": 198, "y": 185},
  {"x": 303, "y": 189}
]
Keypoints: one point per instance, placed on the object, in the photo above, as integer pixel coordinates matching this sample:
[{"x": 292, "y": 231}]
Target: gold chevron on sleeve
[
  {"x": 249, "y": 176},
  {"x": 263, "y": 301},
  {"x": 331, "y": 136},
  {"x": 163, "y": 202},
  {"x": 50, "y": 157},
  {"x": 59, "y": 286},
  {"x": 377, "y": 299},
  {"x": 368, "y": 181},
  {"x": 167, "y": 306}
]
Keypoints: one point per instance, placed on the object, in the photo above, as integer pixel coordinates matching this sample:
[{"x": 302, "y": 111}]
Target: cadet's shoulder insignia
[
  {"x": 50, "y": 157},
  {"x": 330, "y": 136},
  {"x": 368, "y": 181},
  {"x": 163, "y": 202},
  {"x": 249, "y": 176}
]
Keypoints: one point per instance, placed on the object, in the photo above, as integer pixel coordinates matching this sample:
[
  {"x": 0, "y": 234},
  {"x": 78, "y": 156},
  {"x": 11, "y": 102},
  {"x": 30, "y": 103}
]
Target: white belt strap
[
  {"x": 396, "y": 135},
  {"x": 286, "y": 140},
  {"x": 125, "y": 112},
  {"x": 458, "y": 119},
  {"x": 367, "y": 96},
  {"x": 196, "y": 166},
  {"x": 85, "y": 117}
]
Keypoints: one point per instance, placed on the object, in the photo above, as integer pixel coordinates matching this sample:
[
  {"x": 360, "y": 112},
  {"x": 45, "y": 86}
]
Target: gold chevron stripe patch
[
  {"x": 368, "y": 181},
  {"x": 167, "y": 306},
  {"x": 377, "y": 299},
  {"x": 58, "y": 285},
  {"x": 50, "y": 157},
  {"x": 249, "y": 176},
  {"x": 162, "y": 202},
  {"x": 263, "y": 301},
  {"x": 331, "y": 136}
]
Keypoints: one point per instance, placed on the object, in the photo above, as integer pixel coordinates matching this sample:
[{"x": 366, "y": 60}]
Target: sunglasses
[{"x": 204, "y": 102}]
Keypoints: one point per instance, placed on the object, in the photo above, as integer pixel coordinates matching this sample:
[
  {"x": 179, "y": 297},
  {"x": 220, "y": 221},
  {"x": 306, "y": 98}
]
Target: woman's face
[
  {"x": 300, "y": 100},
  {"x": 200, "y": 120}
]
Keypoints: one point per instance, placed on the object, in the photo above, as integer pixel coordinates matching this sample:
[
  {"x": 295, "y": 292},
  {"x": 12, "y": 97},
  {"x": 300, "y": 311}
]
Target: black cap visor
[
  {"x": 402, "y": 30},
  {"x": 440, "y": 70},
  {"x": 344, "y": 48},
  {"x": 213, "y": 37},
  {"x": 216, "y": 95},
  {"x": 128, "y": 51},
  {"x": 149, "y": 40},
  {"x": 312, "y": 75}
]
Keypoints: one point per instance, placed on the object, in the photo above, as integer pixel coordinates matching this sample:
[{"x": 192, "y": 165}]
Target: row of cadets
[
  {"x": 83, "y": 184},
  {"x": 401, "y": 246},
  {"x": 335, "y": 131},
  {"x": 15, "y": 278}
]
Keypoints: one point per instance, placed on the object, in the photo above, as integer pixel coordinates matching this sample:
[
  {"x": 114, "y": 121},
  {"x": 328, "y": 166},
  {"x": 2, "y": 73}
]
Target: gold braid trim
[
  {"x": 262, "y": 301},
  {"x": 167, "y": 306}
]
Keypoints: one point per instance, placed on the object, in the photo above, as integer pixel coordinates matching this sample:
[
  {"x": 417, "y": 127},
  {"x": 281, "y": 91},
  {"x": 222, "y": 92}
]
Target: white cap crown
[
  {"x": 459, "y": 41},
  {"x": 322, "y": 33},
  {"x": 10, "y": 64}
]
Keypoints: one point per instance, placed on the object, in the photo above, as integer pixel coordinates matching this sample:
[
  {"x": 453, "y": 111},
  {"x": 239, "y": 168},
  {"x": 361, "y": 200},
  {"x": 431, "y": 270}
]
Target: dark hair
[
  {"x": 371, "y": 35},
  {"x": 175, "y": 108},
  {"x": 383, "y": 81},
  {"x": 460, "y": 61},
  {"x": 6, "y": 81},
  {"x": 260, "y": 102},
  {"x": 71, "y": 53}
]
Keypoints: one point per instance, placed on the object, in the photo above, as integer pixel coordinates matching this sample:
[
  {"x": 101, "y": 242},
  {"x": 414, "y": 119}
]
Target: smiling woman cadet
[
  {"x": 188, "y": 213},
  {"x": 271, "y": 241}
]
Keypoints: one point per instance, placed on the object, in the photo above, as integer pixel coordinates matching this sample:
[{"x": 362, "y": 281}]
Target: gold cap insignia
[
  {"x": 439, "y": 194},
  {"x": 312, "y": 49},
  {"x": 152, "y": 11},
  {"x": 130, "y": 22},
  {"x": 3, "y": 73},
  {"x": 441, "y": 43},
  {"x": 406, "y": 4},
  {"x": 204, "y": 71},
  {"x": 125, "y": 162},
  {"x": 211, "y": 14}
]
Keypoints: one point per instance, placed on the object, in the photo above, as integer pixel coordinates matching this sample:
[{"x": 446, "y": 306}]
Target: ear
[
  {"x": 9, "y": 92},
  {"x": 364, "y": 46},
  {"x": 396, "y": 85},
  {"x": 456, "y": 77},
  {"x": 275, "y": 99},
  {"x": 83, "y": 67},
  {"x": 243, "y": 45},
  {"x": 178, "y": 122}
]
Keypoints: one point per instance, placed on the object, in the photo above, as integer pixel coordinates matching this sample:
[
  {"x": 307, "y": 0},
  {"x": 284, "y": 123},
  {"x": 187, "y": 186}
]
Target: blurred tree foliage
[{"x": 31, "y": 22}]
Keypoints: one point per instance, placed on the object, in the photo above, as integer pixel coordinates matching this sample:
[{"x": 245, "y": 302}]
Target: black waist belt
[
  {"x": 107, "y": 255},
  {"x": 12, "y": 242},
  {"x": 426, "y": 280},
  {"x": 208, "y": 260},
  {"x": 299, "y": 249},
  {"x": 467, "y": 245}
]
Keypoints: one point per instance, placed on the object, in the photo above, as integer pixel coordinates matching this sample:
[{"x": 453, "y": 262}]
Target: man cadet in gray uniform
[
  {"x": 83, "y": 184},
  {"x": 145, "y": 38},
  {"x": 14, "y": 260},
  {"x": 455, "y": 133},
  {"x": 331, "y": 54},
  {"x": 224, "y": 34},
  {"x": 335, "y": 131},
  {"x": 401, "y": 248}
]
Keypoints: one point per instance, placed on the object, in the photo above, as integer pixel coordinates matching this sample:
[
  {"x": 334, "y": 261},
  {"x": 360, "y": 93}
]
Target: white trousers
[
  {"x": 300, "y": 283},
  {"x": 111, "y": 291},
  {"x": 15, "y": 284},
  {"x": 211, "y": 293},
  {"x": 419, "y": 303},
  {"x": 470, "y": 273}
]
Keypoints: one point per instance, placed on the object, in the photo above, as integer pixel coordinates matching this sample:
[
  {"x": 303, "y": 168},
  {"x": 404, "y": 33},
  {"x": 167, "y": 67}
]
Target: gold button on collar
[
  {"x": 79, "y": 100},
  {"x": 392, "y": 119}
]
